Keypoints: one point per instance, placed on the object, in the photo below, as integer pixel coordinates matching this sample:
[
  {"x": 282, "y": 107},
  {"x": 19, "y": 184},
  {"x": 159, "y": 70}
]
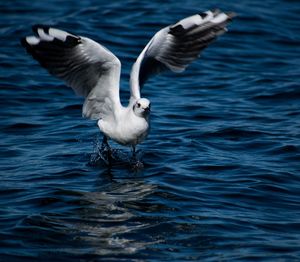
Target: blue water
[{"x": 221, "y": 177}]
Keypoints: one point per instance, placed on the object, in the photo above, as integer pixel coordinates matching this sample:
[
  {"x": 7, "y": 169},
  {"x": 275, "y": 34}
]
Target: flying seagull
[{"x": 93, "y": 72}]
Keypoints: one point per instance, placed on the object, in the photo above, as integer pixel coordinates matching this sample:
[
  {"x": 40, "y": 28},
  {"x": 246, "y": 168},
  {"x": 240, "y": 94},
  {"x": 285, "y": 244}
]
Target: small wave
[
  {"x": 235, "y": 133},
  {"x": 19, "y": 128},
  {"x": 280, "y": 96}
]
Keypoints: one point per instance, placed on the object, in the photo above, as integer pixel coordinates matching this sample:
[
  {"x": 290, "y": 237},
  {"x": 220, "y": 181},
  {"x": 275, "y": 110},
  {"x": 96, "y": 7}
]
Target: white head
[{"x": 142, "y": 107}]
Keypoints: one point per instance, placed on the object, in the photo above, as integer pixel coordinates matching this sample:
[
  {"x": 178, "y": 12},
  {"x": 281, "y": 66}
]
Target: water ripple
[{"x": 221, "y": 165}]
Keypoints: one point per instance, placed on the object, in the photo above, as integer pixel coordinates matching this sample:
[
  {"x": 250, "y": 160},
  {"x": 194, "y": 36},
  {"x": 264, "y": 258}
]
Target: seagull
[{"x": 93, "y": 72}]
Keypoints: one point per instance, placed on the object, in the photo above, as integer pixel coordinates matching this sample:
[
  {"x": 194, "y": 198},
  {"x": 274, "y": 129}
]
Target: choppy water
[{"x": 221, "y": 179}]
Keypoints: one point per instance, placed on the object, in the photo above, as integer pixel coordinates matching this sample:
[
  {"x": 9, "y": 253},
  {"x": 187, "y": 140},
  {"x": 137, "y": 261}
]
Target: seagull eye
[{"x": 138, "y": 105}]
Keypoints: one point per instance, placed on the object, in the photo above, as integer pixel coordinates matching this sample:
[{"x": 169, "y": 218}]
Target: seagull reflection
[{"x": 108, "y": 218}]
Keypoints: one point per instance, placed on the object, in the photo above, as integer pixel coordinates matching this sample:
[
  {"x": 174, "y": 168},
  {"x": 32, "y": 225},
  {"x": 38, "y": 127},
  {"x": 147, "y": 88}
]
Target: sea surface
[{"x": 221, "y": 175}]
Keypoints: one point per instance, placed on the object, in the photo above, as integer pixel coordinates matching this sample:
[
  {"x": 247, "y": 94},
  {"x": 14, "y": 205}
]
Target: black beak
[{"x": 147, "y": 109}]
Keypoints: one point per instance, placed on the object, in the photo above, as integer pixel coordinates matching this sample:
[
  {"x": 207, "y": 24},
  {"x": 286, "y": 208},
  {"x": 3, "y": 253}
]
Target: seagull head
[{"x": 142, "y": 107}]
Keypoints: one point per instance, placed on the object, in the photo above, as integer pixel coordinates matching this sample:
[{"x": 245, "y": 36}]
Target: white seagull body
[{"x": 94, "y": 72}]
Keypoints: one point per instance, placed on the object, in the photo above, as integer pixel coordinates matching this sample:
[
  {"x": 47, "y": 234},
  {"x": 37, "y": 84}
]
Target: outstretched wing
[
  {"x": 176, "y": 46},
  {"x": 89, "y": 68}
]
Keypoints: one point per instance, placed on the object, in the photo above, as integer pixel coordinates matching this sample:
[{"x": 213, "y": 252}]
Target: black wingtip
[
  {"x": 72, "y": 41},
  {"x": 177, "y": 30},
  {"x": 203, "y": 15},
  {"x": 26, "y": 45},
  {"x": 37, "y": 26},
  {"x": 24, "y": 42},
  {"x": 29, "y": 49}
]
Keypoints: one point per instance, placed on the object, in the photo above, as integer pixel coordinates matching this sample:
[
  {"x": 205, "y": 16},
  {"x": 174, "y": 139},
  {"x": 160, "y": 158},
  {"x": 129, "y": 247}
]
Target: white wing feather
[
  {"x": 89, "y": 68},
  {"x": 176, "y": 46}
]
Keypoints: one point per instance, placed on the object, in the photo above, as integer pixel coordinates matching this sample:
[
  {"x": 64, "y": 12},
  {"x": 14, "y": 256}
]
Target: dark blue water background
[{"x": 221, "y": 179}]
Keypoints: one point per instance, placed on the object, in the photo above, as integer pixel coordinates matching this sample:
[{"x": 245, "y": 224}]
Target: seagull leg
[
  {"x": 133, "y": 153},
  {"x": 137, "y": 164},
  {"x": 106, "y": 151},
  {"x": 104, "y": 144}
]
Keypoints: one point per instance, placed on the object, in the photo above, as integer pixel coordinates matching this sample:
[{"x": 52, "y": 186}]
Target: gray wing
[
  {"x": 89, "y": 68},
  {"x": 176, "y": 46}
]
